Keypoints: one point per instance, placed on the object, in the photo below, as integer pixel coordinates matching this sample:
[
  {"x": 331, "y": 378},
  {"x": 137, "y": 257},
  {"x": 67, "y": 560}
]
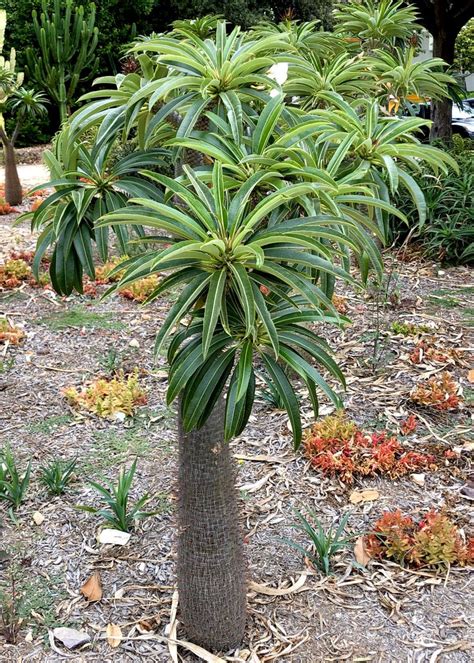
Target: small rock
[
  {"x": 419, "y": 479},
  {"x": 70, "y": 637},
  {"x": 38, "y": 518},
  {"x": 114, "y": 537},
  {"x": 134, "y": 343},
  {"x": 119, "y": 416}
]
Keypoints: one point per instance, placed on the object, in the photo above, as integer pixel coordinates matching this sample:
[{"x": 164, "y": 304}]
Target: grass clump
[
  {"x": 79, "y": 317},
  {"x": 324, "y": 544},
  {"x": 57, "y": 475},
  {"x": 120, "y": 513},
  {"x": 108, "y": 397},
  {"x": 13, "y": 482},
  {"x": 49, "y": 424},
  {"x": 27, "y": 599}
]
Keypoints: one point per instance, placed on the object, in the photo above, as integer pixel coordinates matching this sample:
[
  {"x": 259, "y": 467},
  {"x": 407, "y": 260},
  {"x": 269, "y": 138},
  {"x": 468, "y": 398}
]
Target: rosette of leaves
[
  {"x": 223, "y": 250},
  {"x": 87, "y": 184}
]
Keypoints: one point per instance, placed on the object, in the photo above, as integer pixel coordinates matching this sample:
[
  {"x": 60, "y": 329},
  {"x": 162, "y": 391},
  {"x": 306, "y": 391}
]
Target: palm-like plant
[
  {"x": 355, "y": 141},
  {"x": 220, "y": 74},
  {"x": 300, "y": 35},
  {"x": 22, "y": 103},
  {"x": 248, "y": 293},
  {"x": 400, "y": 76},
  {"x": 87, "y": 185},
  {"x": 253, "y": 240},
  {"x": 310, "y": 75},
  {"x": 224, "y": 252},
  {"x": 376, "y": 22}
]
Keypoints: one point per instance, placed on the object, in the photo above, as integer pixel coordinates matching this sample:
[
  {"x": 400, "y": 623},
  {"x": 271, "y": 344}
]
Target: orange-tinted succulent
[
  {"x": 432, "y": 541},
  {"x": 440, "y": 392},
  {"x": 339, "y": 448}
]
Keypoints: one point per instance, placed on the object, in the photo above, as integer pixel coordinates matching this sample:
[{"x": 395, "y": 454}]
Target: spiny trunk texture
[
  {"x": 211, "y": 566},
  {"x": 13, "y": 191}
]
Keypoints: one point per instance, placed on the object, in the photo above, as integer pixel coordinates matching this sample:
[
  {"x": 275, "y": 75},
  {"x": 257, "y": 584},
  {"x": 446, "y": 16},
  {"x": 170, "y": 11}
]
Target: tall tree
[{"x": 444, "y": 20}]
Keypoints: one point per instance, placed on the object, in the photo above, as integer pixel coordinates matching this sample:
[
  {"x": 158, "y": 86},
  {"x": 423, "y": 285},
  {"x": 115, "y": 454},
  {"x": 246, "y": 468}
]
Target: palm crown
[{"x": 255, "y": 237}]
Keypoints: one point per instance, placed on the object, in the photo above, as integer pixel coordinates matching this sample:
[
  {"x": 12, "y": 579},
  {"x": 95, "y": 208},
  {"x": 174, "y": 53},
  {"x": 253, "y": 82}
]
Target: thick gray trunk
[
  {"x": 211, "y": 566},
  {"x": 13, "y": 190},
  {"x": 442, "y": 110}
]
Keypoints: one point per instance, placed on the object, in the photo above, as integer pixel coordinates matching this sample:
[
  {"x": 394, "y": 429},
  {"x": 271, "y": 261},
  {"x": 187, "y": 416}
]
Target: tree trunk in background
[
  {"x": 442, "y": 111},
  {"x": 444, "y": 19},
  {"x": 211, "y": 566},
  {"x": 13, "y": 190}
]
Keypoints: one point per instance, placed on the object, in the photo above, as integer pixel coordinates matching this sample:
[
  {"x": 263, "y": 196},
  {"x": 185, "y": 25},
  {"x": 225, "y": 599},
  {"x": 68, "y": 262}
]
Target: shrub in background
[
  {"x": 106, "y": 398},
  {"x": 448, "y": 232},
  {"x": 440, "y": 392}
]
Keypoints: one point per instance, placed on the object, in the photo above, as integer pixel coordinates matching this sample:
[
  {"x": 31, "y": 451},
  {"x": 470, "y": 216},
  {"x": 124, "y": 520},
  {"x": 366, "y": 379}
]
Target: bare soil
[{"x": 381, "y": 613}]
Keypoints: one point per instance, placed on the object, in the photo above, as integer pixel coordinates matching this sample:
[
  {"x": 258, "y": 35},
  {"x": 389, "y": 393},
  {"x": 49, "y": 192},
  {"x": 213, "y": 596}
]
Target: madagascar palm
[
  {"x": 300, "y": 35},
  {"x": 351, "y": 146},
  {"x": 376, "y": 22},
  {"x": 23, "y": 103},
  {"x": 254, "y": 154},
  {"x": 203, "y": 27},
  {"x": 399, "y": 75},
  {"x": 309, "y": 75},
  {"x": 247, "y": 294},
  {"x": 88, "y": 184},
  {"x": 251, "y": 241},
  {"x": 220, "y": 74}
]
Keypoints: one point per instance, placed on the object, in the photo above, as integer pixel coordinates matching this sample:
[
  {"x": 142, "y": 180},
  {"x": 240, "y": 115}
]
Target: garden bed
[{"x": 379, "y": 613}]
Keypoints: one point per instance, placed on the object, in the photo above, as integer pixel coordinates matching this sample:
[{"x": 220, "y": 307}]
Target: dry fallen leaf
[
  {"x": 253, "y": 487},
  {"x": 114, "y": 635},
  {"x": 71, "y": 637},
  {"x": 470, "y": 375},
  {"x": 360, "y": 552},
  {"x": 356, "y": 497},
  {"x": 272, "y": 591},
  {"x": 92, "y": 589}
]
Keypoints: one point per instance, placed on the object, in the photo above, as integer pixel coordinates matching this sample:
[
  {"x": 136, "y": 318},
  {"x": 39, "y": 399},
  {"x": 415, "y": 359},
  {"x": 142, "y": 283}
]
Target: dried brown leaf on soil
[
  {"x": 360, "y": 552},
  {"x": 114, "y": 635},
  {"x": 272, "y": 591},
  {"x": 92, "y": 588},
  {"x": 358, "y": 496}
]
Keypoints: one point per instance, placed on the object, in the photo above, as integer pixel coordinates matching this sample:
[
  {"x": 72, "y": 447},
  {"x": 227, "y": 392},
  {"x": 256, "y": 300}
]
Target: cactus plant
[
  {"x": 22, "y": 102},
  {"x": 67, "y": 39}
]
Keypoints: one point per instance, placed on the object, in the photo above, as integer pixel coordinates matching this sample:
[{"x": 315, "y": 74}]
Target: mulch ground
[{"x": 380, "y": 613}]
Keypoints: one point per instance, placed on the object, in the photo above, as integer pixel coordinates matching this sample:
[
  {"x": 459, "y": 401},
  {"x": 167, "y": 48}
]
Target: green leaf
[
  {"x": 181, "y": 307},
  {"x": 213, "y": 307},
  {"x": 287, "y": 395}
]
